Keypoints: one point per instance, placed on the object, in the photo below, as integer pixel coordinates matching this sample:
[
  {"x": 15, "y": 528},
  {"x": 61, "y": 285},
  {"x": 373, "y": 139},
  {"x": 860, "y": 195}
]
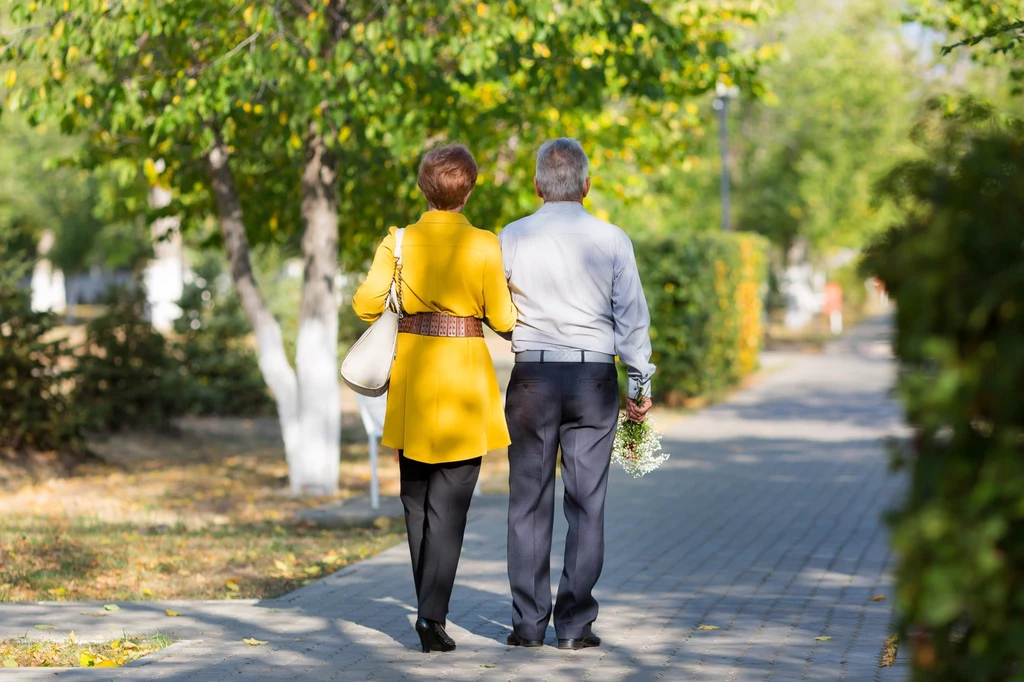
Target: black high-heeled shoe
[{"x": 433, "y": 637}]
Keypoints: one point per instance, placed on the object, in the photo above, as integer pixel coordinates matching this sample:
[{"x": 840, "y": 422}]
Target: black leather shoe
[
  {"x": 515, "y": 640},
  {"x": 433, "y": 637},
  {"x": 590, "y": 640}
]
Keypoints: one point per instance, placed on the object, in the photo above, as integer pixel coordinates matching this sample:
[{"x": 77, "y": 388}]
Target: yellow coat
[{"x": 444, "y": 404}]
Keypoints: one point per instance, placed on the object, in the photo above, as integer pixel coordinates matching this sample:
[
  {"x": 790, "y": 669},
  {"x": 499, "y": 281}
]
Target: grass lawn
[{"x": 200, "y": 515}]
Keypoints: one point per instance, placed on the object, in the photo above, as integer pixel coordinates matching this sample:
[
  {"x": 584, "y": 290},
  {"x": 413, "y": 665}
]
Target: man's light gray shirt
[{"x": 575, "y": 282}]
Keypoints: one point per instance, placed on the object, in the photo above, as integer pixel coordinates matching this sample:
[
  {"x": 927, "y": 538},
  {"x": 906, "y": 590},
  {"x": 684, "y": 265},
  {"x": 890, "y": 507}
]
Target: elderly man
[{"x": 574, "y": 281}]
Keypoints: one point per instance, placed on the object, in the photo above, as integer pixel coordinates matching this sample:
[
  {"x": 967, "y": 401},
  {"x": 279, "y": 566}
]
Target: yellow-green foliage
[{"x": 704, "y": 291}]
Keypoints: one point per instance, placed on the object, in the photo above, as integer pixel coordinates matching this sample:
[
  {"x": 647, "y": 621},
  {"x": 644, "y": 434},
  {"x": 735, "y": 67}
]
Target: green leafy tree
[
  {"x": 37, "y": 194},
  {"x": 810, "y": 159},
  {"x": 40, "y": 191},
  {"x": 804, "y": 155},
  {"x": 295, "y": 116},
  {"x": 991, "y": 33},
  {"x": 997, "y": 28}
]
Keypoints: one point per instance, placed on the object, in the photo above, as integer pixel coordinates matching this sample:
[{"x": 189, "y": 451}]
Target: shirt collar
[
  {"x": 562, "y": 207},
  {"x": 445, "y": 217}
]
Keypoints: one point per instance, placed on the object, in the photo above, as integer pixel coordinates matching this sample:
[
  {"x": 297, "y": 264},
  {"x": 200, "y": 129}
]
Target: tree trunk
[
  {"x": 164, "y": 275},
  {"x": 316, "y": 471},
  {"x": 273, "y": 360}
]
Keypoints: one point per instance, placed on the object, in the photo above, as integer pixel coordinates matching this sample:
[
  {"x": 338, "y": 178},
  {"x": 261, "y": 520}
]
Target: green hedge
[
  {"x": 704, "y": 291},
  {"x": 955, "y": 268}
]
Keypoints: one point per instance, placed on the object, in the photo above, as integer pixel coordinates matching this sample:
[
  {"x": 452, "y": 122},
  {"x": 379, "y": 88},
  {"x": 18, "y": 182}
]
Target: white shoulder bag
[{"x": 367, "y": 365}]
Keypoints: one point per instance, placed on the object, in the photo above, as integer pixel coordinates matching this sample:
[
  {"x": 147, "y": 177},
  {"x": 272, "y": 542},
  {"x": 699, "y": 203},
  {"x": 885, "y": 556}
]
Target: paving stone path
[{"x": 765, "y": 524}]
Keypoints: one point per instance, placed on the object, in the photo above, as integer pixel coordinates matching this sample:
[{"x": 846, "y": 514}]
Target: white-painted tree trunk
[
  {"x": 164, "y": 275},
  {"x": 283, "y": 383},
  {"x": 315, "y": 471},
  {"x": 47, "y": 284},
  {"x": 308, "y": 404}
]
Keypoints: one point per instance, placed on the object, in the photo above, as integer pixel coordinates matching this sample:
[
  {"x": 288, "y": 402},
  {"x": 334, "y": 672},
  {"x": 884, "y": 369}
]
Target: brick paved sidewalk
[{"x": 764, "y": 524}]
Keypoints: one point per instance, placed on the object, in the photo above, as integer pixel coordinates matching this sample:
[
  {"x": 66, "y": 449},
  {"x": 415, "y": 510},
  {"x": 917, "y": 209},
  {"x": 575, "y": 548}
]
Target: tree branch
[
  {"x": 991, "y": 33},
  {"x": 237, "y": 48}
]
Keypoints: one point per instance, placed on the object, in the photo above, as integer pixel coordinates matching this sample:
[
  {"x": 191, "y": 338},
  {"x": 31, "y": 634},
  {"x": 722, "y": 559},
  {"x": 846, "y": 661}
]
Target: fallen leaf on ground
[
  {"x": 879, "y": 597},
  {"x": 822, "y": 639},
  {"x": 72, "y": 638},
  {"x": 46, "y": 627},
  {"x": 487, "y": 665},
  {"x": 86, "y": 659},
  {"x": 106, "y": 664},
  {"x": 111, "y": 607},
  {"x": 253, "y": 642},
  {"x": 10, "y": 663},
  {"x": 707, "y": 627},
  {"x": 892, "y": 647},
  {"x": 232, "y": 585},
  {"x": 171, "y": 613},
  {"x": 146, "y": 591}
]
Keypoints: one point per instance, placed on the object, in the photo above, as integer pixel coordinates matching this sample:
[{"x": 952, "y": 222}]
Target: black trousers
[
  {"x": 572, "y": 406},
  {"x": 436, "y": 499}
]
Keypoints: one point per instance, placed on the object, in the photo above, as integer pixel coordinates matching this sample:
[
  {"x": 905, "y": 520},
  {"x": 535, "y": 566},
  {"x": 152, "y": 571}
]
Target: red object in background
[{"x": 833, "y": 298}]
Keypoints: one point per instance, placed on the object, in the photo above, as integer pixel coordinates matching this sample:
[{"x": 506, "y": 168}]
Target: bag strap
[
  {"x": 399, "y": 233},
  {"x": 395, "y": 295}
]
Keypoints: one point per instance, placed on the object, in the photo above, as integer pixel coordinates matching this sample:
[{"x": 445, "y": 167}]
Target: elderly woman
[{"x": 444, "y": 408}]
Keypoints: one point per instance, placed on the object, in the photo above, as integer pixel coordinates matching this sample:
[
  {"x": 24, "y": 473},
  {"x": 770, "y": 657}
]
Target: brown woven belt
[{"x": 441, "y": 324}]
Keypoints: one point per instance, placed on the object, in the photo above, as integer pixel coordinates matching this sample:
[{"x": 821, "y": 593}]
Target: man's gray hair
[{"x": 562, "y": 168}]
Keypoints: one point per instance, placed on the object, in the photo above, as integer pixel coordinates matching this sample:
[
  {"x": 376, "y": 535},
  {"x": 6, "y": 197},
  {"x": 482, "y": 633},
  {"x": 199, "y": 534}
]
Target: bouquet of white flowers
[{"x": 638, "y": 446}]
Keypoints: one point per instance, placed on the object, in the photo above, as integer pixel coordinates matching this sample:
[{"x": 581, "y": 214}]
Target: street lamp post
[{"x": 724, "y": 93}]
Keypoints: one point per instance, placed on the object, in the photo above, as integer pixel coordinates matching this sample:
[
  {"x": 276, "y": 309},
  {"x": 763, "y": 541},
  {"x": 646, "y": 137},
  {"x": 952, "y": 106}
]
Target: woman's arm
[
  {"x": 370, "y": 298},
  {"x": 499, "y": 310}
]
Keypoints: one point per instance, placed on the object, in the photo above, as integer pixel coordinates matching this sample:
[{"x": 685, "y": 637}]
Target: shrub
[
  {"x": 955, "y": 268},
  {"x": 34, "y": 411},
  {"x": 127, "y": 377},
  {"x": 704, "y": 291},
  {"x": 221, "y": 374}
]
